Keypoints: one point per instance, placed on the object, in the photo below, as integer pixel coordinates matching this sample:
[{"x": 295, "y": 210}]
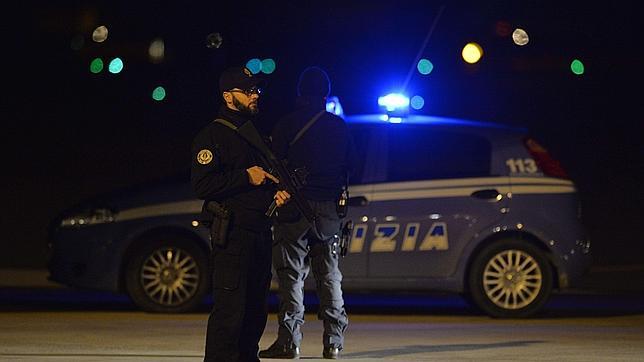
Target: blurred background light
[
  {"x": 100, "y": 34},
  {"x": 393, "y": 101},
  {"x": 520, "y": 37},
  {"x": 77, "y": 42},
  {"x": 156, "y": 51},
  {"x": 158, "y": 94},
  {"x": 472, "y": 53},
  {"x": 333, "y": 106},
  {"x": 96, "y": 66},
  {"x": 214, "y": 40},
  {"x": 417, "y": 102},
  {"x": 254, "y": 65},
  {"x": 116, "y": 66},
  {"x": 502, "y": 28},
  {"x": 425, "y": 66},
  {"x": 268, "y": 66},
  {"x": 577, "y": 67}
]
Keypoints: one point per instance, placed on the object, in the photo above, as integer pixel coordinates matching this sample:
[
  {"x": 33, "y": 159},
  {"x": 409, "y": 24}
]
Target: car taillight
[{"x": 550, "y": 166}]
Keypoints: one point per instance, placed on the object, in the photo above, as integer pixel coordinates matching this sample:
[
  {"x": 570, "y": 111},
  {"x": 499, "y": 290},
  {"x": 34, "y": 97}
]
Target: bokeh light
[
  {"x": 472, "y": 53},
  {"x": 268, "y": 66},
  {"x": 77, "y": 42},
  {"x": 156, "y": 51},
  {"x": 96, "y": 66},
  {"x": 214, "y": 40},
  {"x": 520, "y": 37},
  {"x": 100, "y": 34},
  {"x": 116, "y": 66},
  {"x": 577, "y": 67},
  {"x": 158, "y": 94},
  {"x": 502, "y": 28},
  {"x": 254, "y": 65},
  {"x": 417, "y": 102},
  {"x": 425, "y": 66}
]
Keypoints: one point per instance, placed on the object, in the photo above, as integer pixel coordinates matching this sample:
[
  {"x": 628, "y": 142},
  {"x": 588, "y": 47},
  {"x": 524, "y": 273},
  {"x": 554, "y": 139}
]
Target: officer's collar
[
  {"x": 236, "y": 117},
  {"x": 310, "y": 102}
]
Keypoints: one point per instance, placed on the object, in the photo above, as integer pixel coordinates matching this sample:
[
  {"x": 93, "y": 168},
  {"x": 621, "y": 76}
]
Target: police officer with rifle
[
  {"x": 318, "y": 151},
  {"x": 230, "y": 175}
]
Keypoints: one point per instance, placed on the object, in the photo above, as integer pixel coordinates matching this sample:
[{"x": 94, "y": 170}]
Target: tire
[
  {"x": 167, "y": 274},
  {"x": 510, "y": 279}
]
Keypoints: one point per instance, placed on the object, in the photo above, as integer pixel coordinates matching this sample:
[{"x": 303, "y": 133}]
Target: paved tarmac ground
[{"x": 68, "y": 325}]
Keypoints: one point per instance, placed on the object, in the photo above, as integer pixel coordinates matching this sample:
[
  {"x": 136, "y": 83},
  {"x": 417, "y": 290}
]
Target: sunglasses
[{"x": 248, "y": 92}]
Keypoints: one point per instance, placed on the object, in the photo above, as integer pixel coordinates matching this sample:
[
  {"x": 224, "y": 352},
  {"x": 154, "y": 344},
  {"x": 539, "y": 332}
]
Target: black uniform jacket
[
  {"x": 326, "y": 150},
  {"x": 220, "y": 158}
]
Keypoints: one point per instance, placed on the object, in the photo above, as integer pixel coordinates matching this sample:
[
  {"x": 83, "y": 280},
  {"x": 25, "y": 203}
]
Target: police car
[{"x": 438, "y": 204}]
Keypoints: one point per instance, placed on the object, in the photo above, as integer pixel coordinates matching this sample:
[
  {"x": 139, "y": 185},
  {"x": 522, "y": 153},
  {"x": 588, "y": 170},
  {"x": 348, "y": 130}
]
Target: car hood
[{"x": 157, "y": 192}]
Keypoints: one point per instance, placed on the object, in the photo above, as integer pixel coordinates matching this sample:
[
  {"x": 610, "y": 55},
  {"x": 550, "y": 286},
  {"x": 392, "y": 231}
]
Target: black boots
[
  {"x": 278, "y": 350},
  {"x": 331, "y": 352},
  {"x": 290, "y": 351}
]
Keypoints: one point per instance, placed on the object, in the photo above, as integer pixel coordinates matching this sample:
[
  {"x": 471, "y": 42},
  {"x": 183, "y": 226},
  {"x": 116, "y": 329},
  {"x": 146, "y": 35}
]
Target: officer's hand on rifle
[
  {"x": 281, "y": 198},
  {"x": 257, "y": 176}
]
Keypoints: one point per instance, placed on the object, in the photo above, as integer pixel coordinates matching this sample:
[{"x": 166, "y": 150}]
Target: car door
[
  {"x": 354, "y": 264},
  {"x": 435, "y": 193}
]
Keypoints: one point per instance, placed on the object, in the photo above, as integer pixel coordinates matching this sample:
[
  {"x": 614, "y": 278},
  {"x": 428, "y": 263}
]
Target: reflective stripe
[
  {"x": 540, "y": 181},
  {"x": 170, "y": 208},
  {"x": 393, "y": 191},
  {"x": 392, "y": 195},
  {"x": 457, "y": 182},
  {"x": 524, "y": 190},
  {"x": 463, "y": 187}
]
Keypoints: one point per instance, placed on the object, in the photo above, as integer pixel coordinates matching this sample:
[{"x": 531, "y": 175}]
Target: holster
[
  {"x": 217, "y": 218},
  {"x": 345, "y": 237}
]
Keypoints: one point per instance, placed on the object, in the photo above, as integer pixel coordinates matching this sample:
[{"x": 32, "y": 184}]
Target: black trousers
[{"x": 241, "y": 281}]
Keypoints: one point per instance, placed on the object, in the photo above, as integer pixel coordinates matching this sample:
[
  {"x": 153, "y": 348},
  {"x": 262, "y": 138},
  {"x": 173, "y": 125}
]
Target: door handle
[
  {"x": 358, "y": 201},
  {"x": 487, "y": 194}
]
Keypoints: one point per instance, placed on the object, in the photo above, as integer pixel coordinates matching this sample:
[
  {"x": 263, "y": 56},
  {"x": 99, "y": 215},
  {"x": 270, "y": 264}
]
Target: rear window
[{"x": 408, "y": 153}]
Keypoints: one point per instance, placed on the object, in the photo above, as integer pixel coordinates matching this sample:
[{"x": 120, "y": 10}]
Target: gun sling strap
[
  {"x": 249, "y": 133},
  {"x": 306, "y": 127}
]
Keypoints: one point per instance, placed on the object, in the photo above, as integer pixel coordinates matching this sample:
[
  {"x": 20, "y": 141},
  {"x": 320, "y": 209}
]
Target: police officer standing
[
  {"x": 319, "y": 142},
  {"x": 227, "y": 172}
]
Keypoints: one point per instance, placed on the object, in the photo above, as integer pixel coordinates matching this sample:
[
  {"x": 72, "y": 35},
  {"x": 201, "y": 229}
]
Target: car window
[
  {"x": 396, "y": 152},
  {"x": 421, "y": 153}
]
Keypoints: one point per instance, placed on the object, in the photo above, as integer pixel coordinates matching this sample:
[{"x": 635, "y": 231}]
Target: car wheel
[
  {"x": 510, "y": 279},
  {"x": 168, "y": 275}
]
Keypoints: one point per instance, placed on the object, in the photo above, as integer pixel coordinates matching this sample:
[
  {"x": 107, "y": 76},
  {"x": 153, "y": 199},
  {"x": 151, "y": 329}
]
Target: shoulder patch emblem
[{"x": 204, "y": 157}]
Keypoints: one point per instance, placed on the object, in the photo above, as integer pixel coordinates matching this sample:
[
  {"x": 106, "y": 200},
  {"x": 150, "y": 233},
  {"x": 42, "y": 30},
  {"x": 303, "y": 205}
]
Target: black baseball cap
[
  {"x": 239, "y": 77},
  {"x": 314, "y": 82}
]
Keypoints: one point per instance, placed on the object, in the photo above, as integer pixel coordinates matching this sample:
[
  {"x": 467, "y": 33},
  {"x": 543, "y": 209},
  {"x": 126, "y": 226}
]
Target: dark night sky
[{"x": 70, "y": 134}]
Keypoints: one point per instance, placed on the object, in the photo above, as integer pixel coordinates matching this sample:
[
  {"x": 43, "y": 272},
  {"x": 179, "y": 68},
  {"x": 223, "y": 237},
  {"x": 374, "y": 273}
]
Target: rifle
[
  {"x": 298, "y": 176},
  {"x": 289, "y": 182}
]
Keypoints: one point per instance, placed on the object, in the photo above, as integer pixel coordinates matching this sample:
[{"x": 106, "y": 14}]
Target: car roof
[{"x": 417, "y": 119}]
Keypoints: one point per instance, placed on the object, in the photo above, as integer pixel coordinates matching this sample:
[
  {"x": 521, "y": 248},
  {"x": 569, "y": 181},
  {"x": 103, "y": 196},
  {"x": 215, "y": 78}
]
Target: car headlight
[{"x": 92, "y": 217}]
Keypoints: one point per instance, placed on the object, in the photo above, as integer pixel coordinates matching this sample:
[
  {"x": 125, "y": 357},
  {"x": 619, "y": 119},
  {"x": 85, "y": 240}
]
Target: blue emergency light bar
[
  {"x": 396, "y": 105},
  {"x": 394, "y": 101},
  {"x": 333, "y": 106}
]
